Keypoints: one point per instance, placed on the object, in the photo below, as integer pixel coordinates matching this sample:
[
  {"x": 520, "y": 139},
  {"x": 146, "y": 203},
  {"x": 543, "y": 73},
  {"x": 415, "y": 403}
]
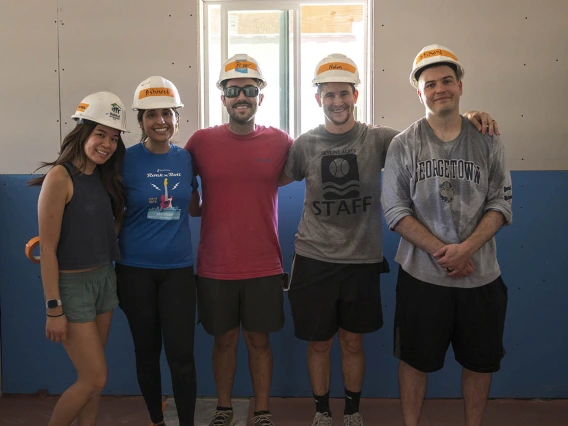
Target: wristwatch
[{"x": 52, "y": 303}]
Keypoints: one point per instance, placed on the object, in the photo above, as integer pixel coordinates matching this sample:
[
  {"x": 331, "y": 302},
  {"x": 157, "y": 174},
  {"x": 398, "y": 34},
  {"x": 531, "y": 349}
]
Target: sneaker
[
  {"x": 262, "y": 420},
  {"x": 352, "y": 420},
  {"x": 222, "y": 418},
  {"x": 322, "y": 419}
]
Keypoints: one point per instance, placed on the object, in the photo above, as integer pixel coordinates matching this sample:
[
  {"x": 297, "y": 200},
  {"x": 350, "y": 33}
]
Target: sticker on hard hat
[
  {"x": 336, "y": 66},
  {"x": 82, "y": 107},
  {"x": 115, "y": 111},
  {"x": 241, "y": 66},
  {"x": 156, "y": 91},
  {"x": 435, "y": 52}
]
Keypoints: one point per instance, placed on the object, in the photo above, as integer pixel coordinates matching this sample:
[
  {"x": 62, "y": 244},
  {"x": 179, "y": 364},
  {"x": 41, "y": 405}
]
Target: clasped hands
[{"x": 455, "y": 259}]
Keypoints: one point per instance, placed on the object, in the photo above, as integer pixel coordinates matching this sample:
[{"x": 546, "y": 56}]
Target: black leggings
[{"x": 160, "y": 303}]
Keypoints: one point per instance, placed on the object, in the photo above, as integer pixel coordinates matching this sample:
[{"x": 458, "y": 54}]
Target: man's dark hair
[
  {"x": 320, "y": 87},
  {"x": 438, "y": 64},
  {"x": 224, "y": 82}
]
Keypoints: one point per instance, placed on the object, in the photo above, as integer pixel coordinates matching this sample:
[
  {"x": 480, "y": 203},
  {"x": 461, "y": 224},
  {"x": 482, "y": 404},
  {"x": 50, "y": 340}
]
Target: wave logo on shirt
[
  {"x": 447, "y": 192},
  {"x": 340, "y": 176}
]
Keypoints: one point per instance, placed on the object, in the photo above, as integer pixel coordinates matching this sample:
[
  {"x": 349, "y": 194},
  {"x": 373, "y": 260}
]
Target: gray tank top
[{"x": 87, "y": 237}]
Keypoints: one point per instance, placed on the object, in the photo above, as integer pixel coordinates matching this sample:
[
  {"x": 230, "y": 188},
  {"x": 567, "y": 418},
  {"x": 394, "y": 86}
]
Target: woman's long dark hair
[{"x": 72, "y": 148}]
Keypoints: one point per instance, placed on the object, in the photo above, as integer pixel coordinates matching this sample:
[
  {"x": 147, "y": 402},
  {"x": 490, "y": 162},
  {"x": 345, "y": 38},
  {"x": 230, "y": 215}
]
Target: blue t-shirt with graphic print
[{"x": 155, "y": 233}]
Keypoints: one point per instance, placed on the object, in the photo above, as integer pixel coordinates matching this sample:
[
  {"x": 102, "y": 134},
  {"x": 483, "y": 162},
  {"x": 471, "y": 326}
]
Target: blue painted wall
[{"x": 531, "y": 252}]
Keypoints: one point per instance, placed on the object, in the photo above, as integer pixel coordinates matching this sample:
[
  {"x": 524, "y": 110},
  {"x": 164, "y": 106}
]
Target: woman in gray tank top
[{"x": 81, "y": 195}]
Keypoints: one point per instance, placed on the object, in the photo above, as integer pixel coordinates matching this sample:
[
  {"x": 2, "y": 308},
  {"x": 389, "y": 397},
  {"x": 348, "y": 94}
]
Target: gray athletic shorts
[
  {"x": 84, "y": 295},
  {"x": 256, "y": 303}
]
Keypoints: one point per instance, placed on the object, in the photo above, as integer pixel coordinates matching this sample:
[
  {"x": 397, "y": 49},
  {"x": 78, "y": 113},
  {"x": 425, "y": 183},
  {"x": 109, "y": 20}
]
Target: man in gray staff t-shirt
[
  {"x": 446, "y": 191},
  {"x": 335, "y": 280}
]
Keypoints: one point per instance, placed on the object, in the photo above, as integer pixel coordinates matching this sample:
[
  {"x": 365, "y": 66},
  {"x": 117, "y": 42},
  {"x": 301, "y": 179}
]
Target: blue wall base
[{"x": 531, "y": 253}]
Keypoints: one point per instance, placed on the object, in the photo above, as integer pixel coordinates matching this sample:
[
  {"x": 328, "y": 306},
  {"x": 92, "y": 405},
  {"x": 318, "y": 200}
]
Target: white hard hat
[
  {"x": 434, "y": 54},
  {"x": 336, "y": 68},
  {"x": 103, "y": 108},
  {"x": 156, "y": 92},
  {"x": 241, "y": 66}
]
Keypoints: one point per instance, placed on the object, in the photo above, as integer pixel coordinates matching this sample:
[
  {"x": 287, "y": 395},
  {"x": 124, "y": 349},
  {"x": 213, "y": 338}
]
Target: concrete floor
[{"x": 121, "y": 411}]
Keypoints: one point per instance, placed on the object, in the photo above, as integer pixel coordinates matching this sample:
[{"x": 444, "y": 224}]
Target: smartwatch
[{"x": 52, "y": 303}]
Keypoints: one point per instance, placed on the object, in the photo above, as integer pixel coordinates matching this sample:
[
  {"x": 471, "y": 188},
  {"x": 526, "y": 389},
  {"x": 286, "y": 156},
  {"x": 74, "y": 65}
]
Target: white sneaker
[
  {"x": 322, "y": 419},
  {"x": 354, "y": 419},
  {"x": 222, "y": 418}
]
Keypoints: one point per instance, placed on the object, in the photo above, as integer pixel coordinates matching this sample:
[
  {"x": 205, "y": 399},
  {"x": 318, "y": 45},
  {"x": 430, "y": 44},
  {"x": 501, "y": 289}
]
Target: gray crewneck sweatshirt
[{"x": 448, "y": 187}]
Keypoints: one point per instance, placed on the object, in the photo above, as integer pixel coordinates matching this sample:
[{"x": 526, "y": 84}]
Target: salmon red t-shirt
[{"x": 239, "y": 184}]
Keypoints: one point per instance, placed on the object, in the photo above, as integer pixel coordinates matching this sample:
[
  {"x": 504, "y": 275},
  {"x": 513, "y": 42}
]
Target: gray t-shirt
[
  {"x": 341, "y": 220},
  {"x": 448, "y": 187}
]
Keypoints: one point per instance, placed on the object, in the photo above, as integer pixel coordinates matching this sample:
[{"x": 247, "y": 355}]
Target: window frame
[{"x": 366, "y": 96}]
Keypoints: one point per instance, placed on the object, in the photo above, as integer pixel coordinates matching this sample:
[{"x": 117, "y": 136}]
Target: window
[{"x": 266, "y": 30}]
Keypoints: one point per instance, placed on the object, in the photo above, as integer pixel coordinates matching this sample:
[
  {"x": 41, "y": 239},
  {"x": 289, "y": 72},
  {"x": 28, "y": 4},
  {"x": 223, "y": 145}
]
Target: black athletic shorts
[
  {"x": 256, "y": 303},
  {"x": 326, "y": 296},
  {"x": 429, "y": 317}
]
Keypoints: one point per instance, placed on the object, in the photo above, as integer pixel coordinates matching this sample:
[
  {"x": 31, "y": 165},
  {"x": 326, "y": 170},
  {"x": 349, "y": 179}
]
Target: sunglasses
[{"x": 235, "y": 91}]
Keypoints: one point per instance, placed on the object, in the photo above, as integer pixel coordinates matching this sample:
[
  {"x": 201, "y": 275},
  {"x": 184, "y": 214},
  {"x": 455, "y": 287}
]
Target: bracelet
[{"x": 55, "y": 316}]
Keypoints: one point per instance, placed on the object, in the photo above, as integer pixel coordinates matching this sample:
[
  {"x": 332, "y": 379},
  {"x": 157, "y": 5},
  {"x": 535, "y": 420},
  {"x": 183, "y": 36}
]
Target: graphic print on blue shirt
[
  {"x": 156, "y": 232},
  {"x": 165, "y": 210}
]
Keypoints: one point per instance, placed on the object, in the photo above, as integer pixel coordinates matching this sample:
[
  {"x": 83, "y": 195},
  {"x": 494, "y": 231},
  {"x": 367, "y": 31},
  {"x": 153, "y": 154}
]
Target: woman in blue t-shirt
[{"x": 156, "y": 285}]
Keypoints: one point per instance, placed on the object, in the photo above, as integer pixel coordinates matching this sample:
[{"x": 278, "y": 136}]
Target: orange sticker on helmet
[
  {"x": 336, "y": 66},
  {"x": 435, "y": 52},
  {"x": 82, "y": 107},
  {"x": 156, "y": 91},
  {"x": 241, "y": 66}
]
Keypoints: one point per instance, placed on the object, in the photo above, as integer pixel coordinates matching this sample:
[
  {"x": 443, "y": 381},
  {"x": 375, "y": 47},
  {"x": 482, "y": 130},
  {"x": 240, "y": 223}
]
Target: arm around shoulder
[
  {"x": 195, "y": 204},
  {"x": 284, "y": 179}
]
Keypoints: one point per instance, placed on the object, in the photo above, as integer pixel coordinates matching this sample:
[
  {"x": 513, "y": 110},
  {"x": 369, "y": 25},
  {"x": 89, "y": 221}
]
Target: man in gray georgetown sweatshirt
[{"x": 446, "y": 191}]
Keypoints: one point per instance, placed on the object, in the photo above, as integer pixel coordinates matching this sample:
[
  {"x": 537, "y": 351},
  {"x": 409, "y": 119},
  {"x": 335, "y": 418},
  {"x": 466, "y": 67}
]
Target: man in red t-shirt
[{"x": 239, "y": 262}]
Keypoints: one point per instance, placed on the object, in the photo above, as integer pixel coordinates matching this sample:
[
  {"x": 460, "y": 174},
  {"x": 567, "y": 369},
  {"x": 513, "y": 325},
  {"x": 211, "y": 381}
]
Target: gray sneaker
[
  {"x": 262, "y": 420},
  {"x": 222, "y": 418},
  {"x": 322, "y": 419},
  {"x": 352, "y": 420}
]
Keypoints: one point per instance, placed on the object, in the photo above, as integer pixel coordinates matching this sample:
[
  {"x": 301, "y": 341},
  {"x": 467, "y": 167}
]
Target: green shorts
[{"x": 84, "y": 295}]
